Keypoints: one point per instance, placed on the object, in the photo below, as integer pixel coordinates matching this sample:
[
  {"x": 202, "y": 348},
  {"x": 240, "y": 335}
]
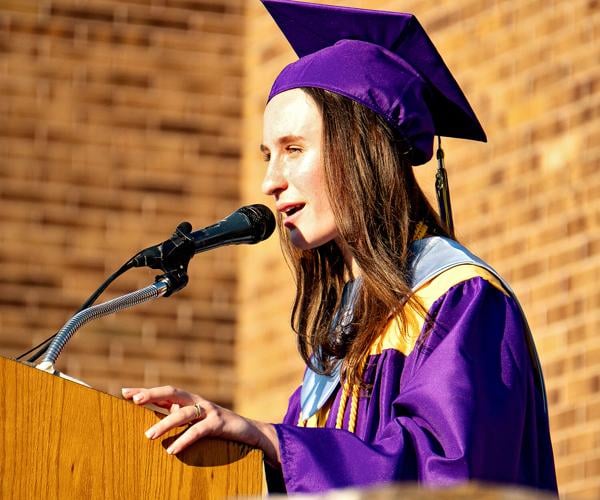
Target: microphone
[{"x": 249, "y": 224}]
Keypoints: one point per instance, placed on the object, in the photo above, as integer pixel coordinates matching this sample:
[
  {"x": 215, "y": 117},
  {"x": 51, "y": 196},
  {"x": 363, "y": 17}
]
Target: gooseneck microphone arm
[{"x": 153, "y": 291}]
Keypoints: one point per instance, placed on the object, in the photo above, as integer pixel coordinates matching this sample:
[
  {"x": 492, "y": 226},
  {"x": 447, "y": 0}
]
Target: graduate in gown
[{"x": 420, "y": 363}]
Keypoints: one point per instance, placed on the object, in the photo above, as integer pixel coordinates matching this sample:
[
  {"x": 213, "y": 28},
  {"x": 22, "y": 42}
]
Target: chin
[{"x": 308, "y": 242}]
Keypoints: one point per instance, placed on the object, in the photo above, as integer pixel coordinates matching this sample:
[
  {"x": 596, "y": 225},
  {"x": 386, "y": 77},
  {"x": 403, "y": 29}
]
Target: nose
[{"x": 274, "y": 181}]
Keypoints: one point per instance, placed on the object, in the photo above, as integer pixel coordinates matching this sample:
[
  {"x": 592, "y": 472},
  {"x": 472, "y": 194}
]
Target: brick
[
  {"x": 566, "y": 418},
  {"x": 582, "y": 489},
  {"x": 569, "y": 472},
  {"x": 583, "y": 443},
  {"x": 592, "y": 411}
]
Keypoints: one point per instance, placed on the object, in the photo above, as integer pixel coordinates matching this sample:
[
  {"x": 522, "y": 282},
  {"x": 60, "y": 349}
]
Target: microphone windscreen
[{"x": 261, "y": 219}]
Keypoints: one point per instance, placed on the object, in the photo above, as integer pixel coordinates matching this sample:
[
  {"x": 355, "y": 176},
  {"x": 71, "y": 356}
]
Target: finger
[
  {"x": 178, "y": 418},
  {"x": 129, "y": 392},
  {"x": 164, "y": 396},
  {"x": 136, "y": 394},
  {"x": 174, "y": 407},
  {"x": 194, "y": 433}
]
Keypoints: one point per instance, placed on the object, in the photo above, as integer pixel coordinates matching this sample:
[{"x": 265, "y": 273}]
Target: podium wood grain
[{"x": 59, "y": 439}]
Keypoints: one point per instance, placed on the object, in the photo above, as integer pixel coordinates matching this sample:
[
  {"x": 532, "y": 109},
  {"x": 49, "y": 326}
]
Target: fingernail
[
  {"x": 171, "y": 450},
  {"x": 137, "y": 398},
  {"x": 124, "y": 390},
  {"x": 150, "y": 433}
]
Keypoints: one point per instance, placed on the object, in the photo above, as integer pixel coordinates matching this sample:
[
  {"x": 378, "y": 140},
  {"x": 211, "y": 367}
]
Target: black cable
[{"x": 41, "y": 347}]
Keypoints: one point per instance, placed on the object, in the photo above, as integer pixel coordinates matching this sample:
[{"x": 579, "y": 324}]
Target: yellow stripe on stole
[{"x": 394, "y": 338}]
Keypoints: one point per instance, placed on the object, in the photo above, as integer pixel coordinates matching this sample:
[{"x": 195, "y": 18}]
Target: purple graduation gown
[{"x": 462, "y": 405}]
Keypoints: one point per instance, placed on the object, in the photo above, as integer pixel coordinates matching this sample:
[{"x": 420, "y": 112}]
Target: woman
[{"x": 419, "y": 361}]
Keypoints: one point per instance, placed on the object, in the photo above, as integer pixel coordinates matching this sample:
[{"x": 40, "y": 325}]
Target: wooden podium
[{"x": 59, "y": 439}]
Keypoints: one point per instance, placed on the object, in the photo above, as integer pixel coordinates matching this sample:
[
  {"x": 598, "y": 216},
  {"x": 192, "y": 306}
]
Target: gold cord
[
  {"x": 353, "y": 409},
  {"x": 339, "y": 421}
]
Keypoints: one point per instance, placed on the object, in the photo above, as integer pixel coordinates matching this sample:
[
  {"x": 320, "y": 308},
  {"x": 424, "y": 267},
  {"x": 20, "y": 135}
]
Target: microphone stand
[{"x": 174, "y": 262}]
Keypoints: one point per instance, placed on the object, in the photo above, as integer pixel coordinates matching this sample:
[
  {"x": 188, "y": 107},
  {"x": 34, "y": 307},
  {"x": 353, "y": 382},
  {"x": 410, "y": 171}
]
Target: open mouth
[{"x": 289, "y": 211}]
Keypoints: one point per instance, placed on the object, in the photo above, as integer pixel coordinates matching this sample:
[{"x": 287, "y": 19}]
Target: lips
[{"x": 290, "y": 209}]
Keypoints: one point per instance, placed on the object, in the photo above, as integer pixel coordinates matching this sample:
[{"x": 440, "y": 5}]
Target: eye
[
  {"x": 294, "y": 149},
  {"x": 265, "y": 152}
]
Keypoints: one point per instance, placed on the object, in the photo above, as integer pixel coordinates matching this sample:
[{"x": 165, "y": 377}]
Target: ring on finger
[{"x": 199, "y": 411}]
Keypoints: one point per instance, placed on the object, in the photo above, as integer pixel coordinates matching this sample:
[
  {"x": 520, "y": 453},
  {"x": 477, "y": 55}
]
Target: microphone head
[{"x": 261, "y": 220}]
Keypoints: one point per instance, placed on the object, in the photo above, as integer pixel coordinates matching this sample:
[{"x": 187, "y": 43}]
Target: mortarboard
[{"x": 383, "y": 60}]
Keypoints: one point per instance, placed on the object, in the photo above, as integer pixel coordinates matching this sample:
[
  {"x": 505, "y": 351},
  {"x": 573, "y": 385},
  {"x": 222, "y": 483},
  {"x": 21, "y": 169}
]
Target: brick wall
[
  {"x": 528, "y": 201},
  {"x": 118, "y": 120}
]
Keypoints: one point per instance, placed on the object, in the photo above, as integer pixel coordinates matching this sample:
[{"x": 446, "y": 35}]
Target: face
[{"x": 295, "y": 177}]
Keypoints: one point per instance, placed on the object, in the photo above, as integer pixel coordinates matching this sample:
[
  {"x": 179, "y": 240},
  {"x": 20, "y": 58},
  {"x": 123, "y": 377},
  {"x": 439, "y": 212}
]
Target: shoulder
[
  {"x": 438, "y": 264},
  {"x": 431, "y": 291},
  {"x": 460, "y": 285}
]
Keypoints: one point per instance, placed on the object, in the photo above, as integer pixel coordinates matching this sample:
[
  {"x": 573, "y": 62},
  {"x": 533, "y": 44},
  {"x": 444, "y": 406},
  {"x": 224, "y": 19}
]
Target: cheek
[
  {"x": 323, "y": 204},
  {"x": 313, "y": 178},
  {"x": 320, "y": 190},
  {"x": 309, "y": 179},
  {"x": 325, "y": 219}
]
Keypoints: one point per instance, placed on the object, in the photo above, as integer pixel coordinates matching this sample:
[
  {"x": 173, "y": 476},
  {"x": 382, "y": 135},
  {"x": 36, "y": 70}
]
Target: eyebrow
[{"x": 283, "y": 140}]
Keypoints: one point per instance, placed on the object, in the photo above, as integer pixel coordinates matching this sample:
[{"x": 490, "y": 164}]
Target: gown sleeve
[{"x": 467, "y": 408}]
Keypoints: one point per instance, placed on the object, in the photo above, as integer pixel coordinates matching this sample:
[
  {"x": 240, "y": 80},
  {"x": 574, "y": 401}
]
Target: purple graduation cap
[{"x": 383, "y": 60}]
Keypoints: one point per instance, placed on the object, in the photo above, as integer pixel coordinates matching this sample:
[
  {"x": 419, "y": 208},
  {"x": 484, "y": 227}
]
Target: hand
[{"x": 206, "y": 419}]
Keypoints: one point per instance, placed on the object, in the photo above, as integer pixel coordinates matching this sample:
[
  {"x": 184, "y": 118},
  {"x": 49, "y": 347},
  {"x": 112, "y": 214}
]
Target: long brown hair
[{"x": 377, "y": 205}]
